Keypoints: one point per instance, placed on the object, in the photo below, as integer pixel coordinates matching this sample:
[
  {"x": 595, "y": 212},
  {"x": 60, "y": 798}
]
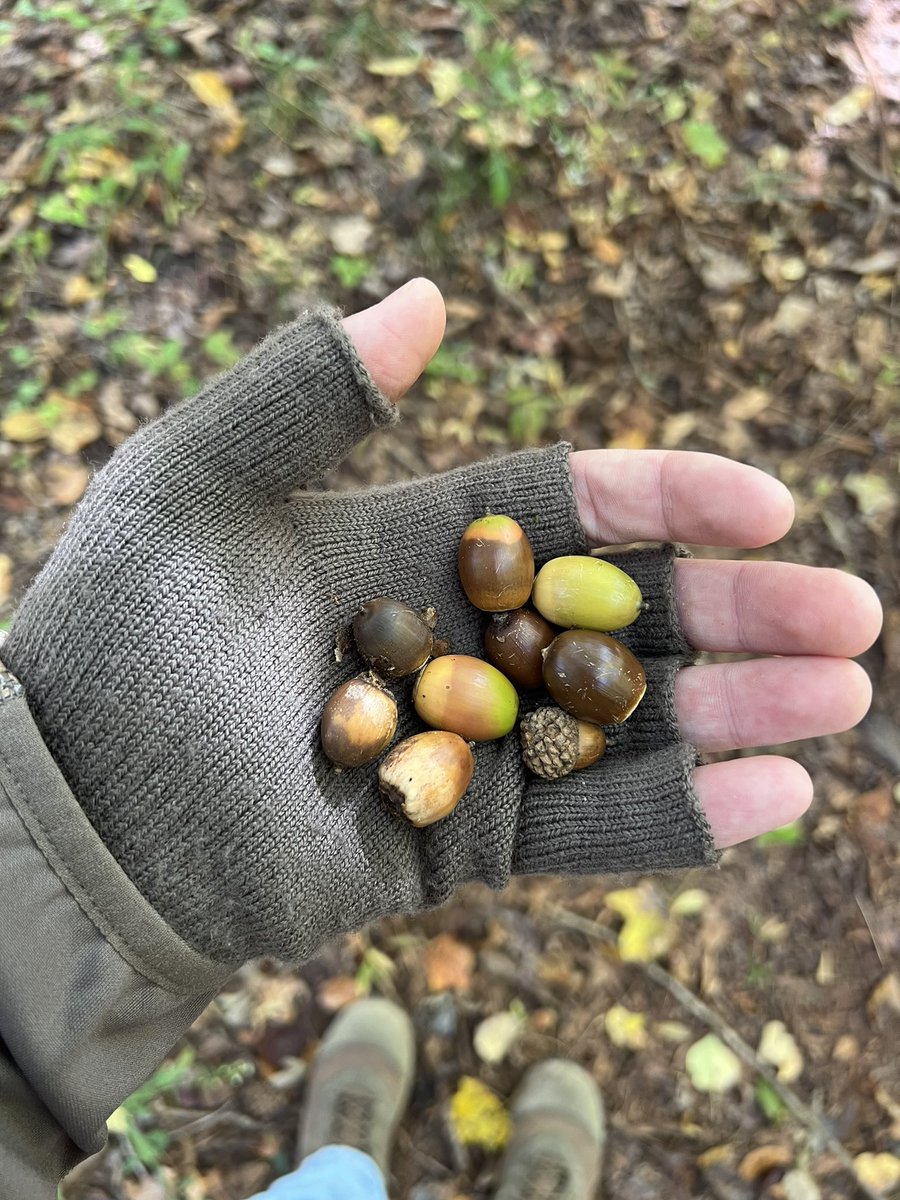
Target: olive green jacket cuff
[{"x": 95, "y": 988}]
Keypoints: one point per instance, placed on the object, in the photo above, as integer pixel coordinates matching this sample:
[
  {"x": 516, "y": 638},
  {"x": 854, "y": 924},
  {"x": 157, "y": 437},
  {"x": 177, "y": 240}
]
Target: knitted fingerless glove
[{"x": 178, "y": 648}]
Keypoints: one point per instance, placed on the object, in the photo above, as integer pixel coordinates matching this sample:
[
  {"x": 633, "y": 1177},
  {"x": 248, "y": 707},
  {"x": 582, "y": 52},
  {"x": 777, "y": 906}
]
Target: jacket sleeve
[{"x": 95, "y": 988}]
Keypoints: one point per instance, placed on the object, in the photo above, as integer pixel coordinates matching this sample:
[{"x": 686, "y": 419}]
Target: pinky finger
[{"x": 744, "y": 797}]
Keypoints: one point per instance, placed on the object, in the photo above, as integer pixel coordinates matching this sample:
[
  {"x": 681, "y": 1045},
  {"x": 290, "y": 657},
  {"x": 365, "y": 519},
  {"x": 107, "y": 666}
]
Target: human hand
[
  {"x": 814, "y": 619},
  {"x": 176, "y": 651}
]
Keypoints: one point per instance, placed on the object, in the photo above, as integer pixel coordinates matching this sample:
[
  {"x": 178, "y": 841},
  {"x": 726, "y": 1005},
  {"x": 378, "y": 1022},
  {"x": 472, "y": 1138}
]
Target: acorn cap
[{"x": 549, "y": 739}]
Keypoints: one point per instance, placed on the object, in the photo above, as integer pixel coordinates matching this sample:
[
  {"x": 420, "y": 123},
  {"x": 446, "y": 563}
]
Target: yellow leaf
[
  {"x": 626, "y": 1028},
  {"x": 445, "y": 77},
  {"x": 75, "y": 426},
  {"x": 6, "y": 569},
  {"x": 118, "y": 1122},
  {"x": 689, "y": 903},
  {"x": 778, "y": 1047},
  {"x": 647, "y": 933},
  {"x": 712, "y": 1067},
  {"x": 850, "y": 107},
  {"x": 106, "y": 163},
  {"x": 393, "y": 67},
  {"x": 78, "y": 289},
  {"x": 478, "y": 1117},
  {"x": 210, "y": 89},
  {"x": 390, "y": 131},
  {"x": 139, "y": 268},
  {"x": 628, "y": 439},
  {"x": 496, "y": 1036},
  {"x": 24, "y": 425},
  {"x": 880, "y": 1172}
]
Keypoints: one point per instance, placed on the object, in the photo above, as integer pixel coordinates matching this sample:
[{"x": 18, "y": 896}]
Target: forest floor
[{"x": 655, "y": 224}]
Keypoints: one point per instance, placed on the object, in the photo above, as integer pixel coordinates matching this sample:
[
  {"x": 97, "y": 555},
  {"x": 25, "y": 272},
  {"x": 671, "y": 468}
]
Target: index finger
[{"x": 678, "y": 496}]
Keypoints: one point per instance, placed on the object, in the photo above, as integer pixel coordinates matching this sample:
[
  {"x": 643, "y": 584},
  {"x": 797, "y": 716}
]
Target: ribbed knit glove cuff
[{"x": 177, "y": 651}]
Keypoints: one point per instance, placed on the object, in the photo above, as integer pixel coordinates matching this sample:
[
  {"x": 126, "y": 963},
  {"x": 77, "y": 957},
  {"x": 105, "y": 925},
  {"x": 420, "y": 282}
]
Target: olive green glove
[{"x": 177, "y": 649}]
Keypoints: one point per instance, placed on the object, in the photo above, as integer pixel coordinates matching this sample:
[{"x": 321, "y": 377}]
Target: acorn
[
  {"x": 515, "y": 642},
  {"x": 392, "y": 637},
  {"x": 578, "y": 592},
  {"x": 554, "y": 744},
  {"x": 424, "y": 776},
  {"x": 496, "y": 564},
  {"x": 466, "y": 696},
  {"x": 358, "y": 722},
  {"x": 593, "y": 676}
]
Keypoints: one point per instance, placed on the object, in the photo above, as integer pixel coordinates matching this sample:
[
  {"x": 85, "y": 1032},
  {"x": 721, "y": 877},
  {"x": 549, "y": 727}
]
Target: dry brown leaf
[
  {"x": 448, "y": 963},
  {"x": 337, "y": 992},
  {"x": 6, "y": 569},
  {"x": 764, "y": 1159},
  {"x": 65, "y": 480},
  {"x": 76, "y": 427}
]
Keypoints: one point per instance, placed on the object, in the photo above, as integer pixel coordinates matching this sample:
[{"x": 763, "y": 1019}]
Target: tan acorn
[
  {"x": 358, "y": 722},
  {"x": 425, "y": 776},
  {"x": 554, "y": 743}
]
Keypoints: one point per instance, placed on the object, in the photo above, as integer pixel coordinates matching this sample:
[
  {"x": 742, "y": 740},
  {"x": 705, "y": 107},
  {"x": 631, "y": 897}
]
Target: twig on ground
[{"x": 733, "y": 1040}]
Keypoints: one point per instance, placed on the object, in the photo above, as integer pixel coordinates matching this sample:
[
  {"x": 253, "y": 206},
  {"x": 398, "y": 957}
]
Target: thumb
[
  {"x": 397, "y": 337},
  {"x": 293, "y": 407}
]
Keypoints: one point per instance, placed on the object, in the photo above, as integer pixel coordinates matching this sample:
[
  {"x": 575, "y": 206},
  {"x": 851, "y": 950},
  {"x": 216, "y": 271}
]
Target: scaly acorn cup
[
  {"x": 593, "y": 677},
  {"x": 358, "y": 722},
  {"x": 425, "y": 776},
  {"x": 466, "y": 696},
  {"x": 579, "y": 592},
  {"x": 515, "y": 643},
  {"x": 392, "y": 637},
  {"x": 496, "y": 564},
  {"x": 554, "y": 743}
]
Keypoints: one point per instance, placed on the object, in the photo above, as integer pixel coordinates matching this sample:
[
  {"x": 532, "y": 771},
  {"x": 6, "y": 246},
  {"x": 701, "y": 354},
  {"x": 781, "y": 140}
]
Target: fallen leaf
[
  {"x": 6, "y": 569},
  {"x": 337, "y": 992},
  {"x": 496, "y": 1035},
  {"x": 712, "y": 1067},
  {"x": 880, "y": 1172},
  {"x": 389, "y": 131},
  {"x": 78, "y": 289},
  {"x": 704, "y": 141},
  {"x": 778, "y": 1047},
  {"x": 446, "y": 79},
  {"x": 211, "y": 89},
  {"x": 800, "y": 1185},
  {"x": 138, "y": 268},
  {"x": 25, "y": 425},
  {"x": 394, "y": 67},
  {"x": 885, "y": 994},
  {"x": 875, "y": 497},
  {"x": 65, "y": 481},
  {"x": 850, "y": 107},
  {"x": 351, "y": 235},
  {"x": 275, "y": 1000},
  {"x": 689, "y": 903},
  {"x": 448, "y": 963},
  {"x": 672, "y": 1031},
  {"x": 106, "y": 163},
  {"x": 764, "y": 1159},
  {"x": 647, "y": 932},
  {"x": 626, "y": 1028},
  {"x": 478, "y": 1117},
  {"x": 748, "y": 404},
  {"x": 76, "y": 425}
]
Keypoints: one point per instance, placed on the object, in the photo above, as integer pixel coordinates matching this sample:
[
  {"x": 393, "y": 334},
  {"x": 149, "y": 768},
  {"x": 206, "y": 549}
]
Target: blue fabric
[{"x": 332, "y": 1173}]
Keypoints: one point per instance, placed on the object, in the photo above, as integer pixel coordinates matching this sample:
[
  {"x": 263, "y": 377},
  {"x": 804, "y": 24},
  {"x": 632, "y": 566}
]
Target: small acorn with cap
[{"x": 554, "y": 743}]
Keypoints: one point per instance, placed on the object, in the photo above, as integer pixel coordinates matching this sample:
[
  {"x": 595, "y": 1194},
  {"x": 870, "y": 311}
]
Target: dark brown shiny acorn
[
  {"x": 554, "y": 743},
  {"x": 358, "y": 722},
  {"x": 496, "y": 564},
  {"x": 424, "y": 777},
  {"x": 593, "y": 676},
  {"x": 515, "y": 643},
  {"x": 392, "y": 637}
]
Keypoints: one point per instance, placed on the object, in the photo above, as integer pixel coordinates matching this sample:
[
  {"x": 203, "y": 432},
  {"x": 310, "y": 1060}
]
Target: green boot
[
  {"x": 558, "y": 1136},
  {"x": 360, "y": 1081}
]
